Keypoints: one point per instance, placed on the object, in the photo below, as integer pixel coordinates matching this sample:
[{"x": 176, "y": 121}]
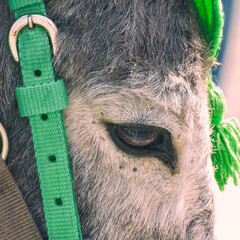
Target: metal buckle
[
  {"x": 4, "y": 142},
  {"x": 30, "y": 20}
]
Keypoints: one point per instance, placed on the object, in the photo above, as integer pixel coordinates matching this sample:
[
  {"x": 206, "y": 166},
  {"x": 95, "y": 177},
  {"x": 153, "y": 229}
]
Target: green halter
[
  {"x": 225, "y": 134},
  {"x": 42, "y": 98}
]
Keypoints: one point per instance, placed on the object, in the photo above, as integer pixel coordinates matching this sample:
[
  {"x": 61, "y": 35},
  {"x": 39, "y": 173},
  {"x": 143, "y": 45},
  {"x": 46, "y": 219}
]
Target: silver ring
[{"x": 30, "y": 20}]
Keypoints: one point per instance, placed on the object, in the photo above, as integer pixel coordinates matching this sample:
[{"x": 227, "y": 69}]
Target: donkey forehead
[
  {"x": 120, "y": 34},
  {"x": 144, "y": 53},
  {"x": 151, "y": 101}
]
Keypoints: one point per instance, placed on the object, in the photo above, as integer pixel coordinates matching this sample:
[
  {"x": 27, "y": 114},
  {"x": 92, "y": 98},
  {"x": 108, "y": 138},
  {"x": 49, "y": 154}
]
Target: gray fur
[{"x": 124, "y": 61}]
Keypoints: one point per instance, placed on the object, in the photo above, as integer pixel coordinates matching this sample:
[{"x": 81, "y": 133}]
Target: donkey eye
[
  {"x": 137, "y": 140},
  {"x": 137, "y": 136},
  {"x": 144, "y": 140}
]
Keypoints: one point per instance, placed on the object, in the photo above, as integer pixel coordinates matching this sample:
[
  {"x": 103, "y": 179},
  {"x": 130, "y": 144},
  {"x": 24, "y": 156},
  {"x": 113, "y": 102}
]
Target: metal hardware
[
  {"x": 4, "y": 142},
  {"x": 30, "y": 20}
]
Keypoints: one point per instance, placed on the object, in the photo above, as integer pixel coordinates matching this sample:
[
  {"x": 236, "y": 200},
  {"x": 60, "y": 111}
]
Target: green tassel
[
  {"x": 225, "y": 135},
  {"x": 225, "y": 139}
]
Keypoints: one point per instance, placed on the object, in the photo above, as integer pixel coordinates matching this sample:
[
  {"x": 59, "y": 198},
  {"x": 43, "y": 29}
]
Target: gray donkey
[{"x": 137, "y": 122}]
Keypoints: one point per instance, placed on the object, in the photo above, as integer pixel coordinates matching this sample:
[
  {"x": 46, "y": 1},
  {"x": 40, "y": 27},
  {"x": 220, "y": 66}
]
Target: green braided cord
[
  {"x": 41, "y": 98},
  {"x": 48, "y": 130},
  {"x": 225, "y": 139},
  {"x": 211, "y": 17}
]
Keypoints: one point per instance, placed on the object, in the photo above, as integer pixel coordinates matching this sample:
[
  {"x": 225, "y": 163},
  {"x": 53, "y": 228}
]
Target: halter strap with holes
[{"x": 41, "y": 99}]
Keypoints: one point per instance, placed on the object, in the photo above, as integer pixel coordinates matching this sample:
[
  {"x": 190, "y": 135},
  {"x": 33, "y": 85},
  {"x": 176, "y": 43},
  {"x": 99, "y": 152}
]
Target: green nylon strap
[
  {"x": 41, "y": 98},
  {"x": 33, "y": 8},
  {"x": 14, "y": 5},
  {"x": 47, "y": 128}
]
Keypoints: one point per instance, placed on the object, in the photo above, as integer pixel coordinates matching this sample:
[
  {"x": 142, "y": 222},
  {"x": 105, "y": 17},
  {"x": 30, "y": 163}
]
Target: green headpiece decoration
[{"x": 225, "y": 134}]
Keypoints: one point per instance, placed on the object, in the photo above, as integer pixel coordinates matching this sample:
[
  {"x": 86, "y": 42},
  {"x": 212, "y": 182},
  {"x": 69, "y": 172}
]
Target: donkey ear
[{"x": 211, "y": 18}]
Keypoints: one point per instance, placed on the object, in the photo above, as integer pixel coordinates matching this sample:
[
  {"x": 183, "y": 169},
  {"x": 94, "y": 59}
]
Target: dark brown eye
[
  {"x": 137, "y": 136},
  {"x": 137, "y": 139},
  {"x": 144, "y": 140}
]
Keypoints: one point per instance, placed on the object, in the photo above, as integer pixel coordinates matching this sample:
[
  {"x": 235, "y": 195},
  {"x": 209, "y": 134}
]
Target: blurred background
[{"x": 227, "y": 76}]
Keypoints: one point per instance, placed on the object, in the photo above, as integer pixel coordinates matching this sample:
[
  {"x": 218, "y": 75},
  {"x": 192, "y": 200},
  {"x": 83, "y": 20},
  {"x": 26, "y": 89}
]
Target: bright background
[
  {"x": 228, "y": 77},
  {"x": 228, "y": 213}
]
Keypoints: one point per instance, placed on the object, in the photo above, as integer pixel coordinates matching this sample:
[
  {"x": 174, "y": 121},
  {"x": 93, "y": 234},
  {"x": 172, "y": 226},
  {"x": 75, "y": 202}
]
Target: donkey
[{"x": 137, "y": 122}]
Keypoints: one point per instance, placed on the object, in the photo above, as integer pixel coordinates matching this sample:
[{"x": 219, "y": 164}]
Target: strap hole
[
  {"x": 37, "y": 73},
  {"x": 58, "y": 201},
  {"x": 52, "y": 158},
  {"x": 44, "y": 117}
]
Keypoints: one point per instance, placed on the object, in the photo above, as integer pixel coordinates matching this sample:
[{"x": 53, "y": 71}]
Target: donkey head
[{"x": 137, "y": 122}]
